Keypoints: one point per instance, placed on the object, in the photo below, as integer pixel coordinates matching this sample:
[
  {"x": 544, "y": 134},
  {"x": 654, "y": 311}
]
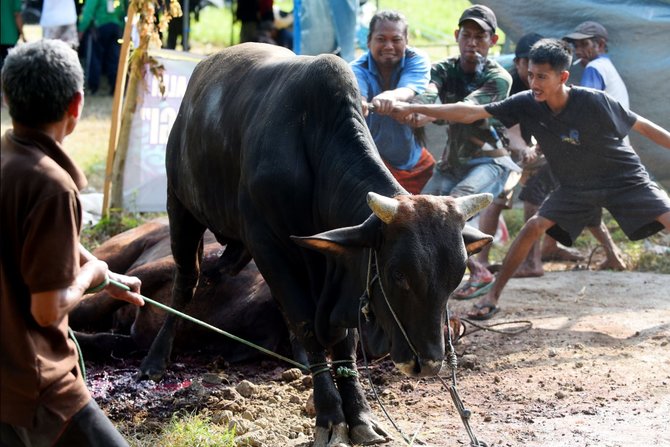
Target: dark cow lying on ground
[
  {"x": 241, "y": 305},
  {"x": 271, "y": 153}
]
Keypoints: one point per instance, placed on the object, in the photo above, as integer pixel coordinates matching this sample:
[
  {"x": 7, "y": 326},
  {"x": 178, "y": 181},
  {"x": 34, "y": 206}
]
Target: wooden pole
[{"x": 116, "y": 107}]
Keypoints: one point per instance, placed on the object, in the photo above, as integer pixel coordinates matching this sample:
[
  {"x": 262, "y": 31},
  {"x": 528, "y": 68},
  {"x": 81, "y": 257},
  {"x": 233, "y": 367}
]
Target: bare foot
[
  {"x": 528, "y": 271},
  {"x": 613, "y": 263},
  {"x": 562, "y": 254}
]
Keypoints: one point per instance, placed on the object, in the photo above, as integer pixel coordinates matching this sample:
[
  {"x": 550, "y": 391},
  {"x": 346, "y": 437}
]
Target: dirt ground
[{"x": 594, "y": 370}]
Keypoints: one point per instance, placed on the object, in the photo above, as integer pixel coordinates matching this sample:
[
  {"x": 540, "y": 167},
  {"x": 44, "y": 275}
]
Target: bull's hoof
[
  {"x": 371, "y": 434},
  {"x": 150, "y": 371},
  {"x": 335, "y": 437}
]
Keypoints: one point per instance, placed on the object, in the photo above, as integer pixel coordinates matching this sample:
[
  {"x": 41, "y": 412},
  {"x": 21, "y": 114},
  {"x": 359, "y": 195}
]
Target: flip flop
[
  {"x": 493, "y": 309},
  {"x": 480, "y": 288}
]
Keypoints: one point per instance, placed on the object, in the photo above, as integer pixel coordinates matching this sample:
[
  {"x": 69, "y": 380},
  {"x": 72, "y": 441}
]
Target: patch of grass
[
  {"x": 646, "y": 260},
  {"x": 194, "y": 430},
  {"x": 184, "y": 429},
  {"x": 117, "y": 222},
  {"x": 431, "y": 25},
  {"x": 212, "y": 30}
]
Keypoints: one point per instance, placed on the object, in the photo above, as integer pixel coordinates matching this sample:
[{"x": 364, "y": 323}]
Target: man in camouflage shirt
[{"x": 474, "y": 160}]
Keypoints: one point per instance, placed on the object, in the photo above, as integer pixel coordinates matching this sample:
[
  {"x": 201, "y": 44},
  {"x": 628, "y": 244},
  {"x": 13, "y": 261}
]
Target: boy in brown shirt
[{"x": 45, "y": 272}]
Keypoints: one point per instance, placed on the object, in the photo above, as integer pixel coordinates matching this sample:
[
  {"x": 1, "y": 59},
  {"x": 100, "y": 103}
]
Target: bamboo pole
[
  {"x": 116, "y": 106},
  {"x": 123, "y": 143}
]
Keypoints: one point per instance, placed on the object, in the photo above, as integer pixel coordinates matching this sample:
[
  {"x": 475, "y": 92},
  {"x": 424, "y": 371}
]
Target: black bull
[{"x": 268, "y": 146}]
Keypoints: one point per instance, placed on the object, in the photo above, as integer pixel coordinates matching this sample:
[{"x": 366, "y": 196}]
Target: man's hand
[
  {"x": 132, "y": 296},
  {"x": 528, "y": 155},
  {"x": 401, "y": 111},
  {"x": 415, "y": 119},
  {"x": 384, "y": 103}
]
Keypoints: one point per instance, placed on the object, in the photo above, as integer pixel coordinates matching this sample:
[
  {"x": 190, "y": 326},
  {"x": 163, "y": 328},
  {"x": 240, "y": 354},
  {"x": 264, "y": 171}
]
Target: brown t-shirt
[{"x": 40, "y": 217}]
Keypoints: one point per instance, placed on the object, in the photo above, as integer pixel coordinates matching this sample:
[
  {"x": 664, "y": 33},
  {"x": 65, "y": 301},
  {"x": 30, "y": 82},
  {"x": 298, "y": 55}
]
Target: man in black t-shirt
[
  {"x": 538, "y": 182},
  {"x": 582, "y": 133}
]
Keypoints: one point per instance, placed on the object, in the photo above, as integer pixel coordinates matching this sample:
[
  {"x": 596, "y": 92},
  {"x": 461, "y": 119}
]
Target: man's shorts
[
  {"x": 634, "y": 207},
  {"x": 538, "y": 186}
]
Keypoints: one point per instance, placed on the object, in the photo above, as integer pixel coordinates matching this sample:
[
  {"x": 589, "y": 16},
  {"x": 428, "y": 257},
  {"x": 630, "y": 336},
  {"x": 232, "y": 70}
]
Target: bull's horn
[
  {"x": 471, "y": 205},
  {"x": 384, "y": 207}
]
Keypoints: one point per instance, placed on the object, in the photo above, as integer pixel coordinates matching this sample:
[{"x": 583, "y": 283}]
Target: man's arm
[
  {"x": 132, "y": 296},
  {"x": 457, "y": 112},
  {"x": 383, "y": 102},
  {"x": 50, "y": 307},
  {"x": 652, "y": 131},
  {"x": 526, "y": 153}
]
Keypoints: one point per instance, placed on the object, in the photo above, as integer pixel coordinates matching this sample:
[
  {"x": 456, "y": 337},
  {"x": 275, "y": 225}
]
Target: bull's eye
[{"x": 400, "y": 280}]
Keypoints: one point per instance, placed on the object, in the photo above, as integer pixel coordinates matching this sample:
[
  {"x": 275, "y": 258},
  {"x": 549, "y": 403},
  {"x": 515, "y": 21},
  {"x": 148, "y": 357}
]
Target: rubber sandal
[
  {"x": 493, "y": 309},
  {"x": 480, "y": 288}
]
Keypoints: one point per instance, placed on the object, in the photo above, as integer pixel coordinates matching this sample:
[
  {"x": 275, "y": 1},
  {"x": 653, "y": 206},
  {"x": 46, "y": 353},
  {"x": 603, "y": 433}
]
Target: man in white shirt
[
  {"x": 590, "y": 42},
  {"x": 59, "y": 21}
]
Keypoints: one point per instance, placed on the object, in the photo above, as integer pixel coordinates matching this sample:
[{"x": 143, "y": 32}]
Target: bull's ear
[
  {"x": 475, "y": 240},
  {"x": 341, "y": 240}
]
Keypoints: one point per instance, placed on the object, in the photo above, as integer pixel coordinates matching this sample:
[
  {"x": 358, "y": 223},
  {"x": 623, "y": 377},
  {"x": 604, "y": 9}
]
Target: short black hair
[
  {"x": 386, "y": 16},
  {"x": 39, "y": 80},
  {"x": 557, "y": 53}
]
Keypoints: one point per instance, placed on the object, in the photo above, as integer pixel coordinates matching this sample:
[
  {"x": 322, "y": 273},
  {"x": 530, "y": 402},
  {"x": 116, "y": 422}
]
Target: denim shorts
[{"x": 477, "y": 176}]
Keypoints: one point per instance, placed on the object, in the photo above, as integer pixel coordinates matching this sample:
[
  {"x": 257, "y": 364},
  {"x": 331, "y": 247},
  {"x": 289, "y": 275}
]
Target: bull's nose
[{"x": 424, "y": 368}]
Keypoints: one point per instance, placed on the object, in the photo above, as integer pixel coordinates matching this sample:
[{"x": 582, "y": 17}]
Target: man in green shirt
[
  {"x": 11, "y": 26},
  {"x": 104, "y": 22},
  {"x": 475, "y": 159}
]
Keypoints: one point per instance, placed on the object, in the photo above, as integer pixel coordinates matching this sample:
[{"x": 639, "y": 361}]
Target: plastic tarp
[{"x": 639, "y": 46}]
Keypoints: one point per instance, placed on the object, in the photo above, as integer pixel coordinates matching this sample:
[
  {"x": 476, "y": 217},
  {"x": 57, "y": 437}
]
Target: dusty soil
[{"x": 594, "y": 370}]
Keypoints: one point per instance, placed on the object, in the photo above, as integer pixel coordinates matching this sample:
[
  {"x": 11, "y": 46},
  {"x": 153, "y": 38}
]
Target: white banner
[{"x": 145, "y": 183}]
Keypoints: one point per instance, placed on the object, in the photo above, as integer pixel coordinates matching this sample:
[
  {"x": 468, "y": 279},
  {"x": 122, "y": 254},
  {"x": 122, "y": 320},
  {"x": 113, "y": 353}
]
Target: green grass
[
  {"x": 183, "y": 430},
  {"x": 431, "y": 25}
]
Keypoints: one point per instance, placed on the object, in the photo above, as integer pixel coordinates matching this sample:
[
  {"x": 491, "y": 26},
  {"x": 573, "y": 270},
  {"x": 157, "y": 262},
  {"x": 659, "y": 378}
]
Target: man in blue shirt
[{"x": 390, "y": 71}]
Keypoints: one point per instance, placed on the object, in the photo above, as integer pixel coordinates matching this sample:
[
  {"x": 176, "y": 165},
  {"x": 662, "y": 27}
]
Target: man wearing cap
[
  {"x": 590, "y": 42},
  {"x": 475, "y": 160}
]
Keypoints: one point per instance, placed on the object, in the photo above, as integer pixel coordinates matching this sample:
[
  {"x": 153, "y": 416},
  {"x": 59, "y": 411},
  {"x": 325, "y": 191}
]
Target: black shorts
[
  {"x": 538, "y": 186},
  {"x": 634, "y": 207}
]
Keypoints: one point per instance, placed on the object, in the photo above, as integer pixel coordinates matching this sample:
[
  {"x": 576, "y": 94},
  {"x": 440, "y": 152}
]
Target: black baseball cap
[
  {"x": 524, "y": 44},
  {"x": 482, "y": 15}
]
